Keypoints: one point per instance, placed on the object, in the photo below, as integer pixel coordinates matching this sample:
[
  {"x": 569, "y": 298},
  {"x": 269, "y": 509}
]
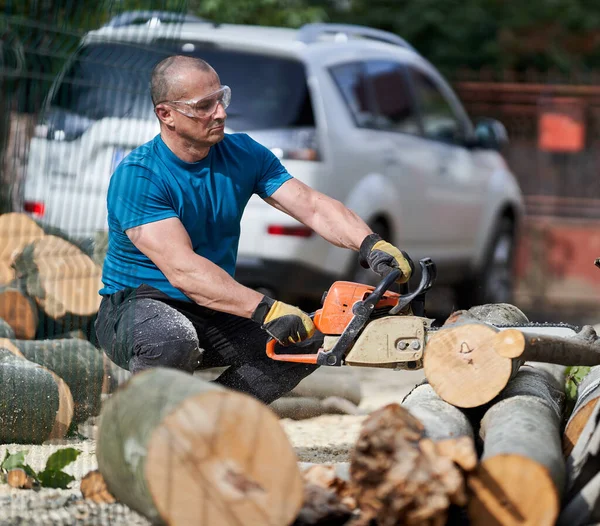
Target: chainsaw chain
[{"x": 529, "y": 325}]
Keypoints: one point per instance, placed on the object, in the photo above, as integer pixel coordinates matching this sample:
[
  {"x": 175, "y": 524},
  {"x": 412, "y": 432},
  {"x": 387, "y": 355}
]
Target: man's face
[{"x": 198, "y": 119}]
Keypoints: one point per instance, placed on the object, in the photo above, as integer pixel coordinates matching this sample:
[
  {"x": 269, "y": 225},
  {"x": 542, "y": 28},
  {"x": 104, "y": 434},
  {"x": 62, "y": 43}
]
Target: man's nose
[{"x": 220, "y": 112}]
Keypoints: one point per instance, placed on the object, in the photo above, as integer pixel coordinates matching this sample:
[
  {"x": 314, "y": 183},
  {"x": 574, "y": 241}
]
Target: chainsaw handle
[{"x": 296, "y": 358}]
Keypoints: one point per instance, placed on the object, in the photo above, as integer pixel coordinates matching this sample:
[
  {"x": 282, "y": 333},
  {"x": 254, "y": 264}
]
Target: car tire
[
  {"x": 494, "y": 282},
  {"x": 366, "y": 276}
]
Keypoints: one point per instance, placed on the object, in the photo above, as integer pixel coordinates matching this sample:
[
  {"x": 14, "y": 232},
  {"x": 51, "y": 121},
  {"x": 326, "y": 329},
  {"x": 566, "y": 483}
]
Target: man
[{"x": 174, "y": 210}]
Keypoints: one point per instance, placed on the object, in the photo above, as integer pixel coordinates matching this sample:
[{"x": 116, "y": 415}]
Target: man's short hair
[{"x": 165, "y": 71}]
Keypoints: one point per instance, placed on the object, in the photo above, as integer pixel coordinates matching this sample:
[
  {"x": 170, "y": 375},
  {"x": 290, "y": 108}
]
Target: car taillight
[
  {"x": 295, "y": 231},
  {"x": 36, "y": 208},
  {"x": 300, "y": 144}
]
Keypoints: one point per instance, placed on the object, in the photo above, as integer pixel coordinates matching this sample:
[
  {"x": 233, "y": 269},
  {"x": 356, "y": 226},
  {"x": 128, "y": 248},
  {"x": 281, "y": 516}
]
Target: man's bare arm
[
  {"x": 168, "y": 245},
  {"x": 326, "y": 216}
]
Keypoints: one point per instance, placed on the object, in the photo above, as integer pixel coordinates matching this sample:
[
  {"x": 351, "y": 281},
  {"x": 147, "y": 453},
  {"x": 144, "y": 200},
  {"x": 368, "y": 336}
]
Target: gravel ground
[{"x": 325, "y": 439}]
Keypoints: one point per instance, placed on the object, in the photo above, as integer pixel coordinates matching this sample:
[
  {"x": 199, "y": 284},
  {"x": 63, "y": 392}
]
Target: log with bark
[
  {"x": 181, "y": 450},
  {"x": 19, "y": 311},
  {"x": 16, "y": 231},
  {"x": 78, "y": 363},
  {"x": 399, "y": 476},
  {"x": 6, "y": 331},
  {"x": 469, "y": 361},
  {"x": 588, "y": 394},
  {"x": 35, "y": 404},
  {"x": 521, "y": 477},
  {"x": 63, "y": 280}
]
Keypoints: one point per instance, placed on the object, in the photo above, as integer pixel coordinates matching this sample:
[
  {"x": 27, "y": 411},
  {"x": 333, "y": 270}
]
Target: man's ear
[{"x": 164, "y": 114}]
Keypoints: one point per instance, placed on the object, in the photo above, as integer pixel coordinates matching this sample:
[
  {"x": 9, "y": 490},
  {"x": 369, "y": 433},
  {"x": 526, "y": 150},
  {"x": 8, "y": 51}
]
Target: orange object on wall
[{"x": 561, "y": 125}]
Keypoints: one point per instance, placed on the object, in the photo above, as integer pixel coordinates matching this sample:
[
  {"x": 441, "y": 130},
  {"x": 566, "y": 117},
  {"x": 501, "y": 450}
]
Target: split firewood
[
  {"x": 440, "y": 419},
  {"x": 36, "y": 404},
  {"x": 19, "y": 311},
  {"x": 398, "y": 476},
  {"x": 6, "y": 331},
  {"x": 93, "y": 487},
  {"x": 78, "y": 363},
  {"x": 588, "y": 394},
  {"x": 300, "y": 408},
  {"x": 182, "y": 451},
  {"x": 63, "y": 280},
  {"x": 521, "y": 477},
  {"x": 18, "y": 478}
]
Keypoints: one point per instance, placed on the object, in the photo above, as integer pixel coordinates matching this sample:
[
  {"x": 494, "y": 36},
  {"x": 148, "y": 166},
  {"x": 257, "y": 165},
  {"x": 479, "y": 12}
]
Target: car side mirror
[{"x": 490, "y": 134}]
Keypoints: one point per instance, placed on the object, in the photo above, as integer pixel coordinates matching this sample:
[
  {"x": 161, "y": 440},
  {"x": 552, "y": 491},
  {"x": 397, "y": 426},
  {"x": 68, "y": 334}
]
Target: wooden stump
[
  {"x": 588, "y": 394},
  {"x": 19, "y": 311},
  {"x": 78, "y": 363},
  {"x": 180, "y": 450},
  {"x": 459, "y": 362},
  {"x": 63, "y": 280},
  {"x": 36, "y": 404},
  {"x": 521, "y": 477},
  {"x": 440, "y": 419}
]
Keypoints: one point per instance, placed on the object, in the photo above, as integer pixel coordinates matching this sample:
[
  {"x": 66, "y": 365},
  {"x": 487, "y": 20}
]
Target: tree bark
[
  {"x": 35, "y": 404},
  {"x": 521, "y": 477},
  {"x": 78, "y": 363},
  {"x": 441, "y": 420},
  {"x": 584, "y": 508},
  {"x": 588, "y": 394},
  {"x": 399, "y": 476},
  {"x": 114, "y": 375},
  {"x": 63, "y": 280},
  {"x": 6, "y": 331},
  {"x": 459, "y": 361},
  {"x": 180, "y": 450},
  {"x": 19, "y": 311}
]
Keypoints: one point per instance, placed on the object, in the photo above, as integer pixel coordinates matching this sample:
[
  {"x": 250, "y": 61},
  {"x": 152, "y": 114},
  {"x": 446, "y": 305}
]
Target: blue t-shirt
[{"x": 208, "y": 197}]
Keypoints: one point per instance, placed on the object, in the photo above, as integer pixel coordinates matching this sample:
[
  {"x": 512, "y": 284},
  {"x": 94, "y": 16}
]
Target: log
[
  {"x": 93, "y": 487},
  {"x": 297, "y": 408},
  {"x": 398, "y": 476},
  {"x": 584, "y": 508},
  {"x": 588, "y": 394},
  {"x": 6, "y": 331},
  {"x": 327, "y": 382},
  {"x": 521, "y": 477},
  {"x": 34, "y": 405},
  {"x": 63, "y": 280},
  {"x": 7, "y": 273},
  {"x": 64, "y": 416},
  {"x": 19, "y": 311},
  {"x": 460, "y": 363},
  {"x": 322, "y": 507},
  {"x": 114, "y": 375},
  {"x": 440, "y": 419},
  {"x": 180, "y": 451},
  {"x": 18, "y": 478},
  {"x": 16, "y": 231},
  {"x": 78, "y": 363}
]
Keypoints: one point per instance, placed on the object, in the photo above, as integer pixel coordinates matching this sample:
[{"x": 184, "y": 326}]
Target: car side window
[
  {"x": 393, "y": 97},
  {"x": 437, "y": 116},
  {"x": 350, "y": 80}
]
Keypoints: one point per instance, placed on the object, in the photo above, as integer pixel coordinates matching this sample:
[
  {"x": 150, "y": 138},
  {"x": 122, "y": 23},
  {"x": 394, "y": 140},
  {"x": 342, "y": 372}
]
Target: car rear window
[{"x": 112, "y": 80}]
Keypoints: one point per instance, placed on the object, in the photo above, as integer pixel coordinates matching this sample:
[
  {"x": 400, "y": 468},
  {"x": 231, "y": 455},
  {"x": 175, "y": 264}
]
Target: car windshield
[{"x": 112, "y": 80}]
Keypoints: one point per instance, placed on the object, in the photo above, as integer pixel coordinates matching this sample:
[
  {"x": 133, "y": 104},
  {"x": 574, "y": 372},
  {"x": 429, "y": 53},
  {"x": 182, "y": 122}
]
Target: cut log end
[
  {"x": 509, "y": 343},
  {"x": 575, "y": 426},
  {"x": 17, "y": 478},
  {"x": 19, "y": 311},
  {"x": 512, "y": 490},
  {"x": 207, "y": 459},
  {"x": 463, "y": 368}
]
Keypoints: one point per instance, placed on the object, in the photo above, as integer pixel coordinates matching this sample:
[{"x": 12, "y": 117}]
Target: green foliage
[
  {"x": 52, "y": 475},
  {"x": 573, "y": 378}
]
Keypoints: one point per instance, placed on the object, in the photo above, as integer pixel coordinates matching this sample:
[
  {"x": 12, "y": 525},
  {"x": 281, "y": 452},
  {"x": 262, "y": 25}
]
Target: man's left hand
[{"x": 383, "y": 257}]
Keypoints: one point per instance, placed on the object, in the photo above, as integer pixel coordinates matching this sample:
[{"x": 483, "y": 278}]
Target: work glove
[
  {"x": 285, "y": 323},
  {"x": 383, "y": 257}
]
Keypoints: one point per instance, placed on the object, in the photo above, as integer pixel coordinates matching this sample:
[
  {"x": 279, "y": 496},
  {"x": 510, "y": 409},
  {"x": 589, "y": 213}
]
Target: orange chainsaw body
[{"x": 336, "y": 313}]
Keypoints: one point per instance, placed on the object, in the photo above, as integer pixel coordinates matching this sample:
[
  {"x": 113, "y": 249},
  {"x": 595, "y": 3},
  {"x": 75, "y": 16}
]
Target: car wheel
[{"x": 494, "y": 282}]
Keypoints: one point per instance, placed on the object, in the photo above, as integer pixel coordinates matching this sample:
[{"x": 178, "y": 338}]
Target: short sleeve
[
  {"x": 135, "y": 199},
  {"x": 271, "y": 173}
]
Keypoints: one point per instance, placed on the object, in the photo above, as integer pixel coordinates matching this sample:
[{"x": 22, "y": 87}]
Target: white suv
[{"x": 353, "y": 112}]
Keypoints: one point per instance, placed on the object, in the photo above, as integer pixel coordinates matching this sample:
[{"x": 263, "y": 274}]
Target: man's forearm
[{"x": 210, "y": 286}]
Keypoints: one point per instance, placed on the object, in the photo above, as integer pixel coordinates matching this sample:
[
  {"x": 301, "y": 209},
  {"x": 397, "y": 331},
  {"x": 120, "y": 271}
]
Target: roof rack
[
  {"x": 130, "y": 18},
  {"x": 310, "y": 33}
]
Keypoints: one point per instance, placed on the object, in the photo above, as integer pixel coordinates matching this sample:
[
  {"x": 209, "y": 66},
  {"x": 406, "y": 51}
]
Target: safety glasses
[{"x": 204, "y": 106}]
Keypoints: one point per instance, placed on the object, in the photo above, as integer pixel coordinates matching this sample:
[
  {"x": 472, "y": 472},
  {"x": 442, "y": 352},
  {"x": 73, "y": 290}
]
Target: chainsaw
[{"x": 370, "y": 326}]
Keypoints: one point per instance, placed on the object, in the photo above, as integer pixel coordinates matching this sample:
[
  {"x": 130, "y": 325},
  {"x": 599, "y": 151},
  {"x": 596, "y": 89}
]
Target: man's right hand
[{"x": 286, "y": 323}]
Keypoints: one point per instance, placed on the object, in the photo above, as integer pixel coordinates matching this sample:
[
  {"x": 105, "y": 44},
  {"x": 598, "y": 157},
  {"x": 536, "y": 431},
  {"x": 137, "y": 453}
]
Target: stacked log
[
  {"x": 588, "y": 394},
  {"x": 19, "y": 311},
  {"x": 201, "y": 454},
  {"x": 16, "y": 232}
]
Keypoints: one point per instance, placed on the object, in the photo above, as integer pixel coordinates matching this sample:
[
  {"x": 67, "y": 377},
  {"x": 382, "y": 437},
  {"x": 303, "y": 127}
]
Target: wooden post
[
  {"x": 183, "y": 451},
  {"x": 588, "y": 394},
  {"x": 521, "y": 476}
]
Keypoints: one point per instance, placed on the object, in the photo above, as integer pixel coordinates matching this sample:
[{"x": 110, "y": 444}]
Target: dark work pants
[{"x": 143, "y": 328}]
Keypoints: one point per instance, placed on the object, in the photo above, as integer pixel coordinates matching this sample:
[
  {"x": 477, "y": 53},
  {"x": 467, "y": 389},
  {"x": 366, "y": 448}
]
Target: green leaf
[
  {"x": 15, "y": 460},
  {"x": 51, "y": 478},
  {"x": 29, "y": 470},
  {"x": 61, "y": 458}
]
